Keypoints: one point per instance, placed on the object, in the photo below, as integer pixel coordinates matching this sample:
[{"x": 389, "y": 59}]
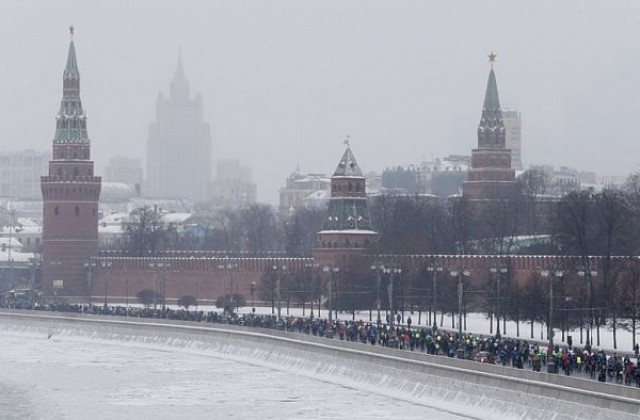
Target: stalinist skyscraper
[{"x": 179, "y": 146}]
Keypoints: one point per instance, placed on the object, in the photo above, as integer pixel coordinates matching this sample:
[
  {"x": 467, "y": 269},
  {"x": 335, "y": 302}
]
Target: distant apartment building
[
  {"x": 233, "y": 186},
  {"x": 125, "y": 170},
  {"x": 564, "y": 180},
  {"x": 441, "y": 177},
  {"x": 20, "y": 173},
  {"x": 179, "y": 146},
  {"x": 512, "y": 121},
  {"x": 305, "y": 191}
]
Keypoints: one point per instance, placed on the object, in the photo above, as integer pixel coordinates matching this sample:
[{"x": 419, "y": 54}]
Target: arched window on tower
[
  {"x": 75, "y": 171},
  {"x": 56, "y": 211},
  {"x": 60, "y": 172},
  {"x": 350, "y": 187},
  {"x": 77, "y": 211}
]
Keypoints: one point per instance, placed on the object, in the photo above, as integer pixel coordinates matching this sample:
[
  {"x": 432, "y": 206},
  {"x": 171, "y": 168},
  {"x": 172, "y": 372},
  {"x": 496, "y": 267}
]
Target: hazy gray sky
[{"x": 283, "y": 82}]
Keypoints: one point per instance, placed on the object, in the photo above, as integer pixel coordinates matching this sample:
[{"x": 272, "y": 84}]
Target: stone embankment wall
[{"x": 467, "y": 388}]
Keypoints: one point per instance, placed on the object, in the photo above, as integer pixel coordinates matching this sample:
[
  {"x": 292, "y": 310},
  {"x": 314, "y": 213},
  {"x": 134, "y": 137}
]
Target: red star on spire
[{"x": 492, "y": 57}]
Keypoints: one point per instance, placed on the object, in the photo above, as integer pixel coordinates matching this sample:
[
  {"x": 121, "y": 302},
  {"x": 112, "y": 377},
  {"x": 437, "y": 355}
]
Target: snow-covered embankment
[{"x": 467, "y": 388}]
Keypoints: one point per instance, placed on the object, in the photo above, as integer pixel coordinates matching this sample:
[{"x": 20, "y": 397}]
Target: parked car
[{"x": 484, "y": 357}]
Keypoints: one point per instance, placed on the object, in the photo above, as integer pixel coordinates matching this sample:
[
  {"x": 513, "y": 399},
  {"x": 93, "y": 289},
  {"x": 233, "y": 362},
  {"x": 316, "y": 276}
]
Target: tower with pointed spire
[
  {"x": 179, "y": 157},
  {"x": 70, "y": 194},
  {"x": 347, "y": 229},
  {"x": 491, "y": 176}
]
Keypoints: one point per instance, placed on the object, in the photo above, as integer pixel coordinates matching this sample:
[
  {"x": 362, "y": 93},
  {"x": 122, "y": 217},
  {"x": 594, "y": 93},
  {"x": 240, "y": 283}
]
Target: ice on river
[{"x": 76, "y": 377}]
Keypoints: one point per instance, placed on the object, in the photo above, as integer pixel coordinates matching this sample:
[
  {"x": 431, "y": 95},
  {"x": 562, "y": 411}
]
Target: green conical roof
[
  {"x": 71, "y": 122},
  {"x": 71, "y": 70},
  {"x": 348, "y": 165},
  {"x": 491, "y": 113}
]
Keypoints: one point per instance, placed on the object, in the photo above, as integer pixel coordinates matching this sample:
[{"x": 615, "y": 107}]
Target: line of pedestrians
[{"x": 505, "y": 351}]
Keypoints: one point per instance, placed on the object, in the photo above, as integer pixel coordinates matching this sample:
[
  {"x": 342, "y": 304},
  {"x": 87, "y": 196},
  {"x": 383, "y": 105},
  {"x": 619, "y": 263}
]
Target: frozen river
[{"x": 72, "y": 377}]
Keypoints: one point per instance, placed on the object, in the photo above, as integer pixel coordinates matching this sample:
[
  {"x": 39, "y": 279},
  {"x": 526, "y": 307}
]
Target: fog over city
[{"x": 283, "y": 82}]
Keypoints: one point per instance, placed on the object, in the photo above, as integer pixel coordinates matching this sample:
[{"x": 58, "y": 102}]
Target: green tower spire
[{"x": 71, "y": 123}]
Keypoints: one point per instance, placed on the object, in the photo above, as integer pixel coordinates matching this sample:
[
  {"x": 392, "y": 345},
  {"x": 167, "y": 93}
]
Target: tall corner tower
[
  {"x": 491, "y": 176},
  {"x": 179, "y": 150},
  {"x": 70, "y": 194},
  {"x": 347, "y": 229}
]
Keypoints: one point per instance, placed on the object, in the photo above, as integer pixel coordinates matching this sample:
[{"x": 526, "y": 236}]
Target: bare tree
[
  {"x": 613, "y": 222},
  {"x": 628, "y": 297},
  {"x": 501, "y": 221},
  {"x": 144, "y": 233},
  {"x": 260, "y": 227},
  {"x": 461, "y": 219},
  {"x": 534, "y": 184},
  {"x": 301, "y": 230}
]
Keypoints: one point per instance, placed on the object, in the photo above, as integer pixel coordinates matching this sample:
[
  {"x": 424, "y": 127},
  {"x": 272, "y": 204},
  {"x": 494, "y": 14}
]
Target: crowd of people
[{"x": 505, "y": 351}]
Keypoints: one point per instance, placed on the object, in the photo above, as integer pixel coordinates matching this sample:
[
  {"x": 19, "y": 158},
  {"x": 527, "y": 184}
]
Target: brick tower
[
  {"x": 490, "y": 176},
  {"x": 347, "y": 229},
  {"x": 70, "y": 194}
]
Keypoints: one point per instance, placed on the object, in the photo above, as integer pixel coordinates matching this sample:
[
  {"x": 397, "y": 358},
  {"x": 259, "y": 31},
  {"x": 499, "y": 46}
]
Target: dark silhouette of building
[
  {"x": 179, "y": 146},
  {"x": 491, "y": 176},
  {"x": 347, "y": 230},
  {"x": 70, "y": 193}
]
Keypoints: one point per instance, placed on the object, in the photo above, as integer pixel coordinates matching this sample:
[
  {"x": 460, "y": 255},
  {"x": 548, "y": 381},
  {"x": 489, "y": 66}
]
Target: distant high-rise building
[
  {"x": 70, "y": 193},
  {"x": 512, "y": 121},
  {"x": 491, "y": 176},
  {"x": 233, "y": 186},
  {"x": 123, "y": 169},
  {"x": 20, "y": 173},
  {"x": 179, "y": 145}
]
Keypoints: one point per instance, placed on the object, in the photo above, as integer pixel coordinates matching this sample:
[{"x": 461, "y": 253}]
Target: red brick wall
[{"x": 202, "y": 277}]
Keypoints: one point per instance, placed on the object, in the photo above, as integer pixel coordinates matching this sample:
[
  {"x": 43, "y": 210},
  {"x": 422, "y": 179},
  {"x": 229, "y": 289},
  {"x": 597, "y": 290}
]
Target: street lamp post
[
  {"x": 253, "y": 291},
  {"x": 162, "y": 270},
  {"x": 551, "y": 367},
  {"x": 107, "y": 265},
  {"x": 327, "y": 270},
  {"x": 460, "y": 274},
  {"x": 314, "y": 268},
  {"x": 90, "y": 266},
  {"x": 56, "y": 283},
  {"x": 391, "y": 272},
  {"x": 589, "y": 274},
  {"x": 227, "y": 284},
  {"x": 500, "y": 271},
  {"x": 279, "y": 270},
  {"x": 331, "y": 271},
  {"x": 10, "y": 247},
  {"x": 434, "y": 270},
  {"x": 503, "y": 272},
  {"x": 35, "y": 263},
  {"x": 378, "y": 269}
]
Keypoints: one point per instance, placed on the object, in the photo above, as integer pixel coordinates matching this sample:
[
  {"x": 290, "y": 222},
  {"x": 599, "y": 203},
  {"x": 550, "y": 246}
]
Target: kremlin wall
[{"x": 74, "y": 270}]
